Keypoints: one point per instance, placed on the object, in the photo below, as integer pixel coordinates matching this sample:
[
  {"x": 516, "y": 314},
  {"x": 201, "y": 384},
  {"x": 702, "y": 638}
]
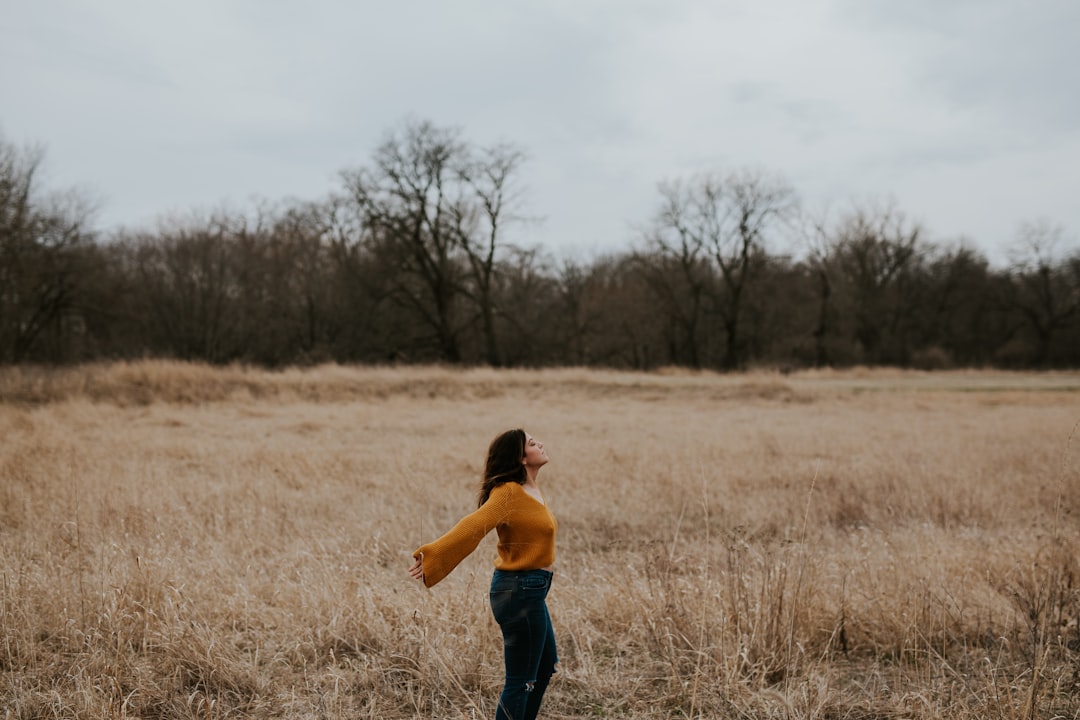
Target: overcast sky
[{"x": 966, "y": 113}]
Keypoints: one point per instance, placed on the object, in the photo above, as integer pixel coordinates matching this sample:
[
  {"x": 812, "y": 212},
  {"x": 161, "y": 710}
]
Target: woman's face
[{"x": 535, "y": 455}]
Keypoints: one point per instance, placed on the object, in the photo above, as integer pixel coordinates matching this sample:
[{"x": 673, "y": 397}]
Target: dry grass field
[{"x": 179, "y": 541}]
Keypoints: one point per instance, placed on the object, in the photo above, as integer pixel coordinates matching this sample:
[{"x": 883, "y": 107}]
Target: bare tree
[
  {"x": 958, "y": 306},
  {"x": 44, "y": 239},
  {"x": 730, "y": 218},
  {"x": 489, "y": 174},
  {"x": 1044, "y": 289},
  {"x": 300, "y": 267},
  {"x": 363, "y": 324},
  {"x": 816, "y": 236},
  {"x": 188, "y": 267},
  {"x": 876, "y": 252},
  {"x": 437, "y": 207},
  {"x": 583, "y": 298},
  {"x": 407, "y": 199},
  {"x": 676, "y": 268}
]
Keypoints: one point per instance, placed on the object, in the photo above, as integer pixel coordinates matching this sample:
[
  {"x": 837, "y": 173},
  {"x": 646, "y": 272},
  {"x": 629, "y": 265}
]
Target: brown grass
[{"x": 179, "y": 541}]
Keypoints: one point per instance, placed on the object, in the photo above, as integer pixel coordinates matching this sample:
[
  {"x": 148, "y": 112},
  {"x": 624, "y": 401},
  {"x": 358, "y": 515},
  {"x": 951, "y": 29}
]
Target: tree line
[{"x": 412, "y": 259}]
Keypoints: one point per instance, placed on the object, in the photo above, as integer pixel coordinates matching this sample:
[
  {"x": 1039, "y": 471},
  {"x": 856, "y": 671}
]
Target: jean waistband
[{"x": 522, "y": 573}]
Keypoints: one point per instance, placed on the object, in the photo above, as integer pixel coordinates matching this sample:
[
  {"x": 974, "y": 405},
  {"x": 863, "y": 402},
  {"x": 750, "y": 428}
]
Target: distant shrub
[{"x": 932, "y": 358}]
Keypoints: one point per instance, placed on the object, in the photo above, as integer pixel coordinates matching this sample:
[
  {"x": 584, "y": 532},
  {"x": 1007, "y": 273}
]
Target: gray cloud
[
  {"x": 1015, "y": 62},
  {"x": 961, "y": 111}
]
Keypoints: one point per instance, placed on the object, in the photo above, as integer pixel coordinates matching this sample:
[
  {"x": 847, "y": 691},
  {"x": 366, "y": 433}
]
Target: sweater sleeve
[{"x": 441, "y": 556}]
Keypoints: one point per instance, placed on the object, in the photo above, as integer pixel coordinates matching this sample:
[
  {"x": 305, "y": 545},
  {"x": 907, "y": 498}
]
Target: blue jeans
[{"x": 518, "y": 602}]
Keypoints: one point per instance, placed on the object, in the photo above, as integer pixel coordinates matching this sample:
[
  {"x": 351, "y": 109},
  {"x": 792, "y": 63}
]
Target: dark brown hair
[{"x": 503, "y": 463}]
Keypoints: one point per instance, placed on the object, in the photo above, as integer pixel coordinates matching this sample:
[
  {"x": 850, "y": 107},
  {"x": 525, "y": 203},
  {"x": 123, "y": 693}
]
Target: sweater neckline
[{"x": 542, "y": 501}]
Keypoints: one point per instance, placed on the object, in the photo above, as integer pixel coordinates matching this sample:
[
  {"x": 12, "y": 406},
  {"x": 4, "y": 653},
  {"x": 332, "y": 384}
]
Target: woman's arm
[{"x": 437, "y": 559}]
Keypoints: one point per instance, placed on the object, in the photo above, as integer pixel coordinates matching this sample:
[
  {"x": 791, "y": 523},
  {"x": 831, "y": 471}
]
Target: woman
[{"x": 511, "y": 503}]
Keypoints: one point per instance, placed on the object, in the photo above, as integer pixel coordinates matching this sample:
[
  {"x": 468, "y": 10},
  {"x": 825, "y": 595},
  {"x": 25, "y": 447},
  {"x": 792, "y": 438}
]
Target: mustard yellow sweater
[{"x": 526, "y": 530}]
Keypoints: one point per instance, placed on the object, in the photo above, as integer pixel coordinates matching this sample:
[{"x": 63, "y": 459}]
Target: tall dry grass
[{"x": 180, "y": 541}]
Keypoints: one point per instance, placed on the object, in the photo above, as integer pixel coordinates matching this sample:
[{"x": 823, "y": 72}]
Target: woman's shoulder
[
  {"x": 505, "y": 490},
  {"x": 507, "y": 495},
  {"x": 500, "y": 500}
]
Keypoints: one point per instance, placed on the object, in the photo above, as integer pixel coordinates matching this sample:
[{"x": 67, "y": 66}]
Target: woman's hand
[{"x": 417, "y": 570}]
